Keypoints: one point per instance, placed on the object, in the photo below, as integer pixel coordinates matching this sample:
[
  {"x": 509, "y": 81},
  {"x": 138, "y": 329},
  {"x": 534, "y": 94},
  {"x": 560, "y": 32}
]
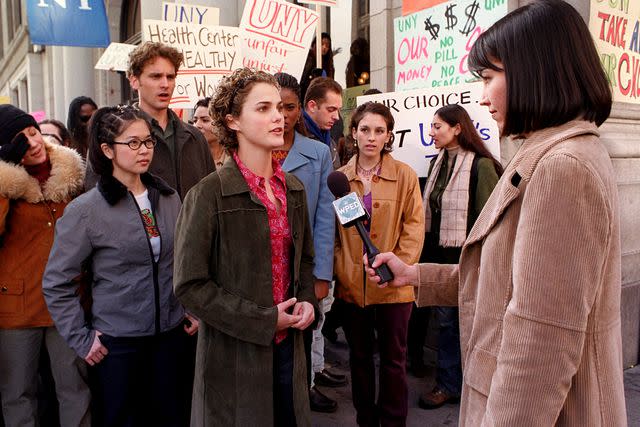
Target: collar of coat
[
  {"x": 537, "y": 144},
  {"x": 113, "y": 190},
  {"x": 518, "y": 173},
  {"x": 172, "y": 117},
  {"x": 232, "y": 182},
  {"x": 388, "y": 168},
  {"x": 65, "y": 182},
  {"x": 302, "y": 152},
  {"x": 178, "y": 124},
  {"x": 323, "y": 136}
]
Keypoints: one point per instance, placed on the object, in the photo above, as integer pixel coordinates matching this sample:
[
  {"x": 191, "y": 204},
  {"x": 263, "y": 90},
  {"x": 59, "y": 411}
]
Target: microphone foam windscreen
[{"x": 338, "y": 184}]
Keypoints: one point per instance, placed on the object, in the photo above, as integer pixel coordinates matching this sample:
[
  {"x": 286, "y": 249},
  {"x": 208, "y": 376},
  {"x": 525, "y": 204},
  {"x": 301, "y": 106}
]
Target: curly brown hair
[
  {"x": 229, "y": 99},
  {"x": 149, "y": 51}
]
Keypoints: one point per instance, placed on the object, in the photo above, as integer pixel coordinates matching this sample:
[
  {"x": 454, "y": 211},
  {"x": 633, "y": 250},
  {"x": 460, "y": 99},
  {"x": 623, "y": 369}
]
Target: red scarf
[{"x": 41, "y": 172}]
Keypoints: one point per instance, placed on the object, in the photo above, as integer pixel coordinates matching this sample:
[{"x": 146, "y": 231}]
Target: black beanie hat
[{"x": 13, "y": 121}]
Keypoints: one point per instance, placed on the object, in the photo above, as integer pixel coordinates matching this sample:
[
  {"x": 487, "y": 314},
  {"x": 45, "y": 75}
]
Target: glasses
[
  {"x": 136, "y": 143},
  {"x": 84, "y": 119}
]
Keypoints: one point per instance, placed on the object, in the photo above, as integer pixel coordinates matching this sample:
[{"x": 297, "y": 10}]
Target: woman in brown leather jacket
[{"x": 391, "y": 195}]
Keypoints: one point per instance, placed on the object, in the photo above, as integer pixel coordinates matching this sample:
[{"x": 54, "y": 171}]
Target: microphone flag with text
[{"x": 350, "y": 211}]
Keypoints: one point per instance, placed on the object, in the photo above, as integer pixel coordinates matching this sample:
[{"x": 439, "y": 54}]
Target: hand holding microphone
[{"x": 350, "y": 212}]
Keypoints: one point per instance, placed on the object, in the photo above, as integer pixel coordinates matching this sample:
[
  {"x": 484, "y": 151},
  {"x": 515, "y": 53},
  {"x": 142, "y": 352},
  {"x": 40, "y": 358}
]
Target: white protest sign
[
  {"x": 276, "y": 36},
  {"x": 431, "y": 46},
  {"x": 210, "y": 53},
  {"x": 115, "y": 57},
  {"x": 190, "y": 14},
  {"x": 413, "y": 111},
  {"x": 328, "y": 3}
]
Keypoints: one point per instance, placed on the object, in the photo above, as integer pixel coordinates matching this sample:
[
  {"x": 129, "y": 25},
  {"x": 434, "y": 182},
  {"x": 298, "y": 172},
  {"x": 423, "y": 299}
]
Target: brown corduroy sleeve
[{"x": 437, "y": 285}]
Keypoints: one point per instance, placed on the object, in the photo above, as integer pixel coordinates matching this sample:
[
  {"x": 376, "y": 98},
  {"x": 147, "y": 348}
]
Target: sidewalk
[{"x": 338, "y": 356}]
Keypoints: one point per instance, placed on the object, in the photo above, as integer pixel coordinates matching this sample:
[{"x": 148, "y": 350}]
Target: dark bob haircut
[
  {"x": 204, "y": 102},
  {"x": 552, "y": 69},
  {"x": 381, "y": 110},
  {"x": 105, "y": 126}
]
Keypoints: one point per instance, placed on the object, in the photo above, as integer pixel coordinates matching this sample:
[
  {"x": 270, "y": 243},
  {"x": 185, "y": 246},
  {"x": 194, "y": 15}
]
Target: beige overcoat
[
  {"x": 397, "y": 225},
  {"x": 538, "y": 286}
]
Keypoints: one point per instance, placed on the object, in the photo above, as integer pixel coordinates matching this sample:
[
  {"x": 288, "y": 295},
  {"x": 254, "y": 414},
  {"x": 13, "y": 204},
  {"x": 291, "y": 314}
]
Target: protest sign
[
  {"x": 39, "y": 115},
  {"x": 328, "y": 3},
  {"x": 60, "y": 23},
  {"x": 276, "y": 36},
  {"x": 115, "y": 57},
  {"x": 190, "y": 14},
  {"x": 413, "y": 112},
  {"x": 614, "y": 26},
  {"x": 5, "y": 100},
  {"x": 210, "y": 52},
  {"x": 411, "y": 6},
  {"x": 431, "y": 46},
  {"x": 350, "y": 103}
]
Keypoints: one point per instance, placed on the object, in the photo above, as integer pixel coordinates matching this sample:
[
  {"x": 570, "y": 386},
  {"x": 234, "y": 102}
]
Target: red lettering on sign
[{"x": 414, "y": 48}]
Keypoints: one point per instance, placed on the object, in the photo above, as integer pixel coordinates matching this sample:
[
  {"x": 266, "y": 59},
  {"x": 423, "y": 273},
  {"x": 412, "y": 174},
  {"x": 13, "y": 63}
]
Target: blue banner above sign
[{"x": 68, "y": 23}]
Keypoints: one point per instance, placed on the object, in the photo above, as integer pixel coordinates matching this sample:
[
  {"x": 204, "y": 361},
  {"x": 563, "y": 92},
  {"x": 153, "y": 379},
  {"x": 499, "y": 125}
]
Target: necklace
[{"x": 367, "y": 173}]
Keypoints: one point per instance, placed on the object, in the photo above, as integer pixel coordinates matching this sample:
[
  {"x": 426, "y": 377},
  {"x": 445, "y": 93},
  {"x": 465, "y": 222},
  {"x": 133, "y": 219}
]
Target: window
[
  {"x": 363, "y": 18},
  {"x": 14, "y": 18},
  {"x": 130, "y": 33},
  {"x": 1, "y": 34}
]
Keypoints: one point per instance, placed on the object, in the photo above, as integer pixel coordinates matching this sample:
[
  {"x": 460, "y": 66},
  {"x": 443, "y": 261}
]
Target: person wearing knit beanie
[
  {"x": 12, "y": 122},
  {"x": 37, "y": 181}
]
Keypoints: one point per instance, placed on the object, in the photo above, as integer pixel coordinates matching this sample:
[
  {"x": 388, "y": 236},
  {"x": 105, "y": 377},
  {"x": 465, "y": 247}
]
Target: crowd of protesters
[{"x": 176, "y": 274}]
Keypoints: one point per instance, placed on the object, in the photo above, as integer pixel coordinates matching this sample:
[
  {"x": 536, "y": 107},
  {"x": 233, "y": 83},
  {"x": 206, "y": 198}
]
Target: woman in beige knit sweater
[{"x": 538, "y": 283}]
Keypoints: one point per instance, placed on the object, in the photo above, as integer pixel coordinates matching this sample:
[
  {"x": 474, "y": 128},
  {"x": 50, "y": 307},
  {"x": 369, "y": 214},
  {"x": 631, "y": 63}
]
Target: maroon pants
[{"x": 391, "y": 321}]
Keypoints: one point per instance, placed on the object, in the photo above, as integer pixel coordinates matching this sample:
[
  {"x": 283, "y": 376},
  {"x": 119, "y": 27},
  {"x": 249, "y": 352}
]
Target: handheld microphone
[{"x": 350, "y": 212}]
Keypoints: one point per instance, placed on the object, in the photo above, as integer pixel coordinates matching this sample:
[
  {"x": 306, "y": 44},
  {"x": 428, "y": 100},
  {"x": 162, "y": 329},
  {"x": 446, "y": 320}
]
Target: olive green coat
[{"x": 223, "y": 276}]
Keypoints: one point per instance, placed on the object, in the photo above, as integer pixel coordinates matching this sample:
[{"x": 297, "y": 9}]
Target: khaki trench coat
[
  {"x": 222, "y": 274},
  {"x": 397, "y": 225},
  {"x": 538, "y": 286}
]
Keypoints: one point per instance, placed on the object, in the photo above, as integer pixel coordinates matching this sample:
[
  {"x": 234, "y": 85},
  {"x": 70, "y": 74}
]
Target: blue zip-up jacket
[{"x": 310, "y": 162}]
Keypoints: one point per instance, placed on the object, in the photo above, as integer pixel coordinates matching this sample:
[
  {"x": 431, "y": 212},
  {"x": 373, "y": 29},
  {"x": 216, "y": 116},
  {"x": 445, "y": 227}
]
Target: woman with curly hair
[{"x": 244, "y": 266}]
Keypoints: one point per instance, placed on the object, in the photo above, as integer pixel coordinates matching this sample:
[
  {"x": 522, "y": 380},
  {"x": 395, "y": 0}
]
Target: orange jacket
[
  {"x": 397, "y": 225},
  {"x": 28, "y": 214}
]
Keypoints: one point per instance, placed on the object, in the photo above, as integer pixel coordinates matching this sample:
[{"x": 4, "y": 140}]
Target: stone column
[
  {"x": 78, "y": 74},
  {"x": 381, "y": 16}
]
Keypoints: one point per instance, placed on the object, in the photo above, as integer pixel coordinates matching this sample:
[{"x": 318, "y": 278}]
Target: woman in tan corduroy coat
[{"x": 538, "y": 283}]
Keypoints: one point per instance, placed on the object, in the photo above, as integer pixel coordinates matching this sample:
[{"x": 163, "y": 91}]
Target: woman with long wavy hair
[{"x": 459, "y": 182}]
